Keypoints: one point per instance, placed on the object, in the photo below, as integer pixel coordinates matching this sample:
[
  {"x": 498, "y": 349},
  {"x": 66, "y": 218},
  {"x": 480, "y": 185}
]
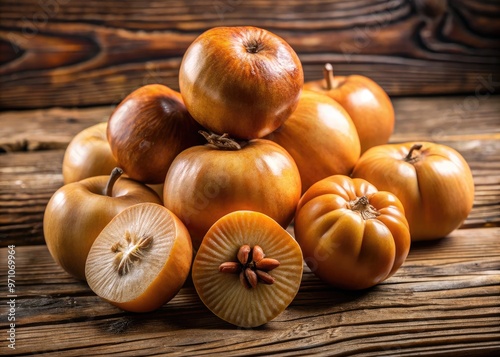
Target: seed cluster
[
  {"x": 252, "y": 266},
  {"x": 129, "y": 250}
]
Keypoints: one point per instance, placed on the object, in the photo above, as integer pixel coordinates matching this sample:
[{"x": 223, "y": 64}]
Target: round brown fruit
[
  {"x": 77, "y": 212},
  {"x": 368, "y": 105},
  {"x": 141, "y": 259},
  {"x": 248, "y": 269},
  {"x": 148, "y": 129},
  {"x": 207, "y": 182},
  {"x": 88, "y": 154},
  {"x": 244, "y": 81},
  {"x": 321, "y": 138}
]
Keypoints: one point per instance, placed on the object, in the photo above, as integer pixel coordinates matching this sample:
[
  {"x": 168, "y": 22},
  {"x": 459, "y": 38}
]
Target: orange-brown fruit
[
  {"x": 148, "y": 129},
  {"x": 248, "y": 269},
  {"x": 87, "y": 155},
  {"x": 321, "y": 138},
  {"x": 141, "y": 259},
  {"x": 244, "y": 81},
  {"x": 77, "y": 212},
  {"x": 368, "y": 105},
  {"x": 207, "y": 182}
]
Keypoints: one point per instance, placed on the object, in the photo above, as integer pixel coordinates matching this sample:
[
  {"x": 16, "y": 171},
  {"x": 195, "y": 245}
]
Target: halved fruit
[
  {"x": 141, "y": 259},
  {"x": 248, "y": 269}
]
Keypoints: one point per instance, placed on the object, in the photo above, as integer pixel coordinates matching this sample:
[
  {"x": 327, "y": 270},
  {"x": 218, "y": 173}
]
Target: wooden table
[{"x": 445, "y": 300}]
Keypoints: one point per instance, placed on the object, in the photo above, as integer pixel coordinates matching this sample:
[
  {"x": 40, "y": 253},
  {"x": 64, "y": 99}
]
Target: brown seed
[
  {"x": 251, "y": 266},
  {"x": 265, "y": 277},
  {"x": 257, "y": 253},
  {"x": 243, "y": 253},
  {"x": 251, "y": 277},
  {"x": 230, "y": 267},
  {"x": 116, "y": 247},
  {"x": 244, "y": 280},
  {"x": 267, "y": 264}
]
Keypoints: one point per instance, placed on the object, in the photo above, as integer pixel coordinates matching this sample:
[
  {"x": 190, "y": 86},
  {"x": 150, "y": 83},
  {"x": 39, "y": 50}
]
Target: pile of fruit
[{"x": 212, "y": 176}]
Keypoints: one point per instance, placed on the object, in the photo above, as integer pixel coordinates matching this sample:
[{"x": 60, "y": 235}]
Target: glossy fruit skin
[
  {"x": 368, "y": 105},
  {"x": 244, "y": 81},
  {"x": 77, "y": 212},
  {"x": 436, "y": 189},
  {"x": 321, "y": 138},
  {"x": 148, "y": 129},
  {"x": 205, "y": 183},
  {"x": 88, "y": 154},
  {"x": 342, "y": 248}
]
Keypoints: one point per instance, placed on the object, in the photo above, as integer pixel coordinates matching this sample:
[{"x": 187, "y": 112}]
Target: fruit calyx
[
  {"x": 113, "y": 177},
  {"x": 330, "y": 82},
  {"x": 222, "y": 142},
  {"x": 410, "y": 158},
  {"x": 253, "y": 46},
  {"x": 128, "y": 250},
  {"x": 252, "y": 266},
  {"x": 363, "y": 206}
]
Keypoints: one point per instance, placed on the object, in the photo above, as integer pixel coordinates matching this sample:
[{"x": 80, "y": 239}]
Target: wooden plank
[
  {"x": 35, "y": 140},
  {"x": 464, "y": 119},
  {"x": 71, "y": 54},
  {"x": 443, "y": 301},
  {"x": 47, "y": 129}
]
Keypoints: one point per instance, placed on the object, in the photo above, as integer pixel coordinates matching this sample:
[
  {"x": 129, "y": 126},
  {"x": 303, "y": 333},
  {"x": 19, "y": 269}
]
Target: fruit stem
[
  {"x": 409, "y": 157},
  {"x": 113, "y": 177},
  {"x": 223, "y": 142},
  {"x": 363, "y": 206},
  {"x": 328, "y": 75}
]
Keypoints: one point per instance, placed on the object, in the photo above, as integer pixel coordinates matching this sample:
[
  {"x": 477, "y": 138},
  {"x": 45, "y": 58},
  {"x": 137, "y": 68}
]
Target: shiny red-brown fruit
[
  {"x": 148, "y": 129},
  {"x": 243, "y": 81}
]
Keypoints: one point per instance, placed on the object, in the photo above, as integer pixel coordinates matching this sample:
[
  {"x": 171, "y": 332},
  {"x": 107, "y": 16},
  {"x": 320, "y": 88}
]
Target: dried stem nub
[
  {"x": 328, "y": 75},
  {"x": 363, "y": 206},
  {"x": 113, "y": 177},
  {"x": 223, "y": 141},
  {"x": 409, "y": 157}
]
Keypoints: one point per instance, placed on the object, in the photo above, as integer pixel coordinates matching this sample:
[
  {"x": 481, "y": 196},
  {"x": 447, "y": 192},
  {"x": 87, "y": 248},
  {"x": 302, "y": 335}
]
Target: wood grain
[
  {"x": 75, "y": 53},
  {"x": 443, "y": 301}
]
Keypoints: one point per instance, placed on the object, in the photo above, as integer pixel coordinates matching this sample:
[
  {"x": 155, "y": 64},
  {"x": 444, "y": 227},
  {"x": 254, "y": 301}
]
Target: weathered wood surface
[
  {"x": 81, "y": 53},
  {"x": 30, "y": 171},
  {"x": 444, "y": 301}
]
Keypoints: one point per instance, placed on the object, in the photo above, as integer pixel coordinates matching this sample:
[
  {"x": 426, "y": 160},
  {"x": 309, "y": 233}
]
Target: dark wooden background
[{"x": 86, "y": 53}]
